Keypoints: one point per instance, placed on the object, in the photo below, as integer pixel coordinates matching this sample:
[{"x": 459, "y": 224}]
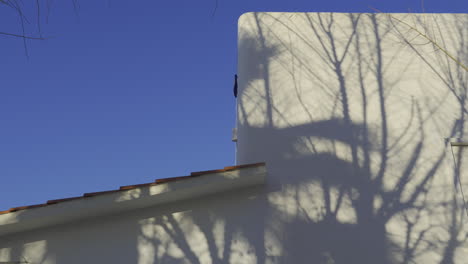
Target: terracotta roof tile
[
  {"x": 130, "y": 187},
  {"x": 63, "y": 200},
  {"x": 19, "y": 208},
  {"x": 99, "y": 193},
  {"x": 164, "y": 180},
  {"x": 229, "y": 168},
  {"x": 14, "y": 209}
]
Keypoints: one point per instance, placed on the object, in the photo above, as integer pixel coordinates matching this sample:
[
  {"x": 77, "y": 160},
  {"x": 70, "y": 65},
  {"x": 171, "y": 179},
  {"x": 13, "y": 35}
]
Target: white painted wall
[
  {"x": 195, "y": 231},
  {"x": 358, "y": 169},
  {"x": 350, "y": 112}
]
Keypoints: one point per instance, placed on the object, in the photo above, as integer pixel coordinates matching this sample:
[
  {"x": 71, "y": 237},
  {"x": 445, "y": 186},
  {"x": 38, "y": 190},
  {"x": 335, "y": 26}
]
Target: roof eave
[{"x": 136, "y": 198}]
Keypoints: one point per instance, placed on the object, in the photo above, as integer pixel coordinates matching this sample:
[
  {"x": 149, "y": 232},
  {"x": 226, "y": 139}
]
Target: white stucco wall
[
  {"x": 350, "y": 112},
  {"x": 200, "y": 230}
]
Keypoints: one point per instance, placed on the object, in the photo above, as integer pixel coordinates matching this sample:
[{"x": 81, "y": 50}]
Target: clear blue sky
[{"x": 127, "y": 92}]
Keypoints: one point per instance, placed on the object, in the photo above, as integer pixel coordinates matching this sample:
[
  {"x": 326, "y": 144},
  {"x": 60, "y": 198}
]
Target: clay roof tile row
[{"x": 130, "y": 187}]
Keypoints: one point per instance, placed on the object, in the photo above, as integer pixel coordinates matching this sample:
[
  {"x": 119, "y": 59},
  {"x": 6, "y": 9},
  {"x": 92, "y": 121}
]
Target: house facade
[
  {"x": 361, "y": 122},
  {"x": 361, "y": 119}
]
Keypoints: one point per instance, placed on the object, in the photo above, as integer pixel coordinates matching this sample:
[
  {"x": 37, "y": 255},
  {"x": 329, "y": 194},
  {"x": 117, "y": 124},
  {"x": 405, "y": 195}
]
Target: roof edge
[{"x": 131, "y": 197}]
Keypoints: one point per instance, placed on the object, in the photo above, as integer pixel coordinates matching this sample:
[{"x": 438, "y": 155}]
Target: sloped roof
[
  {"x": 130, "y": 187},
  {"x": 131, "y": 197}
]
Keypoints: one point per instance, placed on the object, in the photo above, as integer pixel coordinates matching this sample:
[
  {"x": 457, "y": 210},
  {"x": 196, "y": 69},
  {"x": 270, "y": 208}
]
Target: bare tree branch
[{"x": 21, "y": 36}]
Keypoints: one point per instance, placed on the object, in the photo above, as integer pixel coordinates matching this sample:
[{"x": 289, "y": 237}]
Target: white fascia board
[{"x": 137, "y": 198}]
